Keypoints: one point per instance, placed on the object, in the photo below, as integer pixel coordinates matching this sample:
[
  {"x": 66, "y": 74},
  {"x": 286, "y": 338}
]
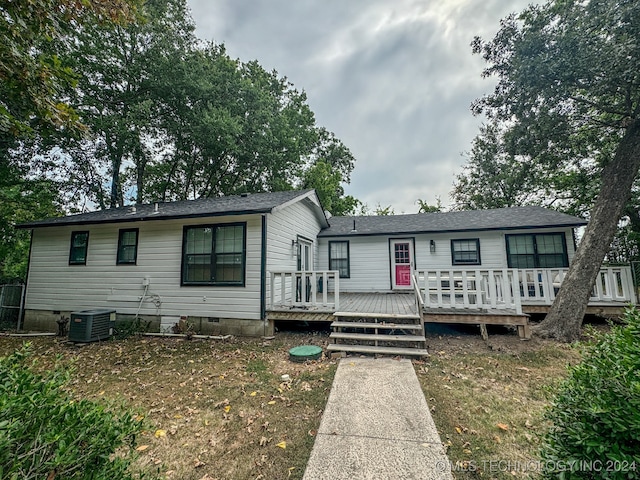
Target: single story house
[
  {"x": 204, "y": 259},
  {"x": 228, "y": 263}
]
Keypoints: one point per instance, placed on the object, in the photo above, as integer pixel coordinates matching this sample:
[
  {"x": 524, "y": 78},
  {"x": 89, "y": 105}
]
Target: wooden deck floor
[
  {"x": 387, "y": 303},
  {"x": 383, "y": 303},
  {"x": 404, "y": 304}
]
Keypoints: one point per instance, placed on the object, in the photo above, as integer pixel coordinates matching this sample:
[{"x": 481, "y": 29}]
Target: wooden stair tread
[
  {"x": 414, "y": 316},
  {"x": 379, "y": 350},
  {"x": 386, "y": 326},
  {"x": 380, "y": 337}
]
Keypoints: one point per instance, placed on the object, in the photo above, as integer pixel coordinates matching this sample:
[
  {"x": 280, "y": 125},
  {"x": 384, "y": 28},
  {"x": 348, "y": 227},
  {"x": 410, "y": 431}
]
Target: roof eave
[
  {"x": 422, "y": 232},
  {"x": 150, "y": 217}
]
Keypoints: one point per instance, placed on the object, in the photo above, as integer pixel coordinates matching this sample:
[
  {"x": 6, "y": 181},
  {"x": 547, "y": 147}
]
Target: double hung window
[{"x": 214, "y": 255}]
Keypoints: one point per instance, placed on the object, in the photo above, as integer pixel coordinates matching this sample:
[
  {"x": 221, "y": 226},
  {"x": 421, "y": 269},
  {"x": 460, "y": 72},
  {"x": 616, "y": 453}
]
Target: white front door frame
[{"x": 402, "y": 262}]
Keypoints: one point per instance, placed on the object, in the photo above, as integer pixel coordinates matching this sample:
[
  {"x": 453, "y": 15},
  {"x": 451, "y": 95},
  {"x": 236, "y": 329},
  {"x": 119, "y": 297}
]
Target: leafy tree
[
  {"x": 424, "y": 206},
  {"x": 32, "y": 77},
  {"x": 172, "y": 118},
  {"x": 119, "y": 95},
  {"x": 380, "y": 210},
  {"x": 34, "y": 85},
  {"x": 498, "y": 174},
  {"x": 569, "y": 91},
  {"x": 328, "y": 185}
]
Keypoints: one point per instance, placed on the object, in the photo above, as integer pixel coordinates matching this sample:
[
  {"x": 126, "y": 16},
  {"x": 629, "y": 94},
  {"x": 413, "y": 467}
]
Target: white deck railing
[
  {"x": 512, "y": 288},
  {"x": 470, "y": 289},
  {"x": 298, "y": 288},
  {"x": 612, "y": 285}
]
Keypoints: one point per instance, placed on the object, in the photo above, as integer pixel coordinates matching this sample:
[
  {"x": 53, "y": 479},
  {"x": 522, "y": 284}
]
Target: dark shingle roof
[
  {"x": 205, "y": 207},
  {"x": 473, "y": 220}
]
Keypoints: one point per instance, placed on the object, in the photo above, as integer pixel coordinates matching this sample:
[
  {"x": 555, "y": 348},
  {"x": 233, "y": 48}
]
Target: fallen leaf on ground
[
  {"x": 282, "y": 445},
  {"x": 503, "y": 426},
  {"x": 160, "y": 433},
  {"x": 142, "y": 448},
  {"x": 227, "y": 408}
]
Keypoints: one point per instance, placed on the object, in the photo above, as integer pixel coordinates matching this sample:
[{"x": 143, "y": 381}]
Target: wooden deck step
[
  {"x": 419, "y": 352},
  {"x": 381, "y": 326},
  {"x": 377, "y": 337},
  {"x": 404, "y": 316}
]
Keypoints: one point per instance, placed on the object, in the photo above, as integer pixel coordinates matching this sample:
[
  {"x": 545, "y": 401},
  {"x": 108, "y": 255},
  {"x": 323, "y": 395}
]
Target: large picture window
[
  {"x": 214, "y": 255},
  {"x": 79, "y": 247},
  {"x": 465, "y": 252},
  {"x": 545, "y": 250},
  {"x": 127, "y": 247},
  {"x": 339, "y": 258}
]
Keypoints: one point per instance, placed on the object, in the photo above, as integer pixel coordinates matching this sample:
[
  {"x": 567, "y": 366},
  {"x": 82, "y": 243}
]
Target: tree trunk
[{"x": 564, "y": 320}]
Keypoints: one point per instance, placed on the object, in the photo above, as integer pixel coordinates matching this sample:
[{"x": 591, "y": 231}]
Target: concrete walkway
[{"x": 377, "y": 426}]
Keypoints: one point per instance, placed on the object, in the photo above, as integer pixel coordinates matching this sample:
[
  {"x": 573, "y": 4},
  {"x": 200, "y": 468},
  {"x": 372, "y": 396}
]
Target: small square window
[
  {"x": 79, "y": 247},
  {"x": 465, "y": 251},
  {"x": 127, "y": 247}
]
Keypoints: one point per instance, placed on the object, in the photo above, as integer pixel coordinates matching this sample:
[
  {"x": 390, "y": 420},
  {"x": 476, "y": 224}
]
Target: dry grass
[
  {"x": 221, "y": 411},
  {"x": 487, "y": 400},
  {"x": 214, "y": 410}
]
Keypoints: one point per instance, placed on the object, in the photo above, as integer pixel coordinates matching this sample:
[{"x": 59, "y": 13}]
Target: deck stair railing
[{"x": 304, "y": 289}]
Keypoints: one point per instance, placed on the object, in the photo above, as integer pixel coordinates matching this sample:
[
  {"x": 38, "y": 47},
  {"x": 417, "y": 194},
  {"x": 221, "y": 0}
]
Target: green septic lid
[{"x": 305, "y": 352}]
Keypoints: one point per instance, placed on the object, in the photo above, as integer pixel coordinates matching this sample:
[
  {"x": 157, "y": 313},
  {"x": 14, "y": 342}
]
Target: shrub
[
  {"x": 46, "y": 434},
  {"x": 595, "y": 431}
]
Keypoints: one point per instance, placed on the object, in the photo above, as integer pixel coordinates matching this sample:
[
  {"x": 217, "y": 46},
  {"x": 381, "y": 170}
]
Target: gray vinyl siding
[
  {"x": 56, "y": 285},
  {"x": 370, "y": 260}
]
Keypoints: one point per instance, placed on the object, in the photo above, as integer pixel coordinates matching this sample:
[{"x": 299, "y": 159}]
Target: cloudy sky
[{"x": 393, "y": 79}]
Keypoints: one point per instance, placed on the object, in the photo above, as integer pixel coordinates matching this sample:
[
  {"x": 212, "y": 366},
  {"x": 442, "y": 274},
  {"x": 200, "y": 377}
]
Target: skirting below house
[{"x": 46, "y": 321}]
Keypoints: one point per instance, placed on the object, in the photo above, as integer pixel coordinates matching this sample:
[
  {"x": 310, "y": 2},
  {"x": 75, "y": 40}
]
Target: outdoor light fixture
[
  {"x": 432, "y": 246},
  {"x": 294, "y": 244}
]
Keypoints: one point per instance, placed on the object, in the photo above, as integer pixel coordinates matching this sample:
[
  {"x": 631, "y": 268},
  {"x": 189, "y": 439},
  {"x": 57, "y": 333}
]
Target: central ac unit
[{"x": 91, "y": 325}]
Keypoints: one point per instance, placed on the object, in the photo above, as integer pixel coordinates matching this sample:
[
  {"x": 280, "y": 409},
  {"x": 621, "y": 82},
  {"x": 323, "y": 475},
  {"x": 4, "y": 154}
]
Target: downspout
[
  {"x": 263, "y": 274},
  {"x": 23, "y": 294}
]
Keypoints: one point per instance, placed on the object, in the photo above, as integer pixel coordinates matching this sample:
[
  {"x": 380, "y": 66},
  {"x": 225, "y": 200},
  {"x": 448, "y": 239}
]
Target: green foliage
[
  {"x": 380, "y": 210},
  {"x": 33, "y": 79},
  {"x": 20, "y": 201},
  {"x": 44, "y": 433},
  {"x": 567, "y": 91},
  {"x": 566, "y": 116},
  {"x": 424, "y": 206},
  {"x": 174, "y": 118},
  {"x": 328, "y": 185},
  {"x": 596, "y": 411}
]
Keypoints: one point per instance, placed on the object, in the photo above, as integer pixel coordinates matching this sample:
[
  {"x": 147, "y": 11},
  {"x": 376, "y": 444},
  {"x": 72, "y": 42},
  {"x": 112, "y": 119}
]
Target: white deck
[{"x": 465, "y": 291}]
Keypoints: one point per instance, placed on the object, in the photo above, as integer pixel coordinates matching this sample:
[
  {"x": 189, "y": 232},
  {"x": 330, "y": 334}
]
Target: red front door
[{"x": 401, "y": 263}]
